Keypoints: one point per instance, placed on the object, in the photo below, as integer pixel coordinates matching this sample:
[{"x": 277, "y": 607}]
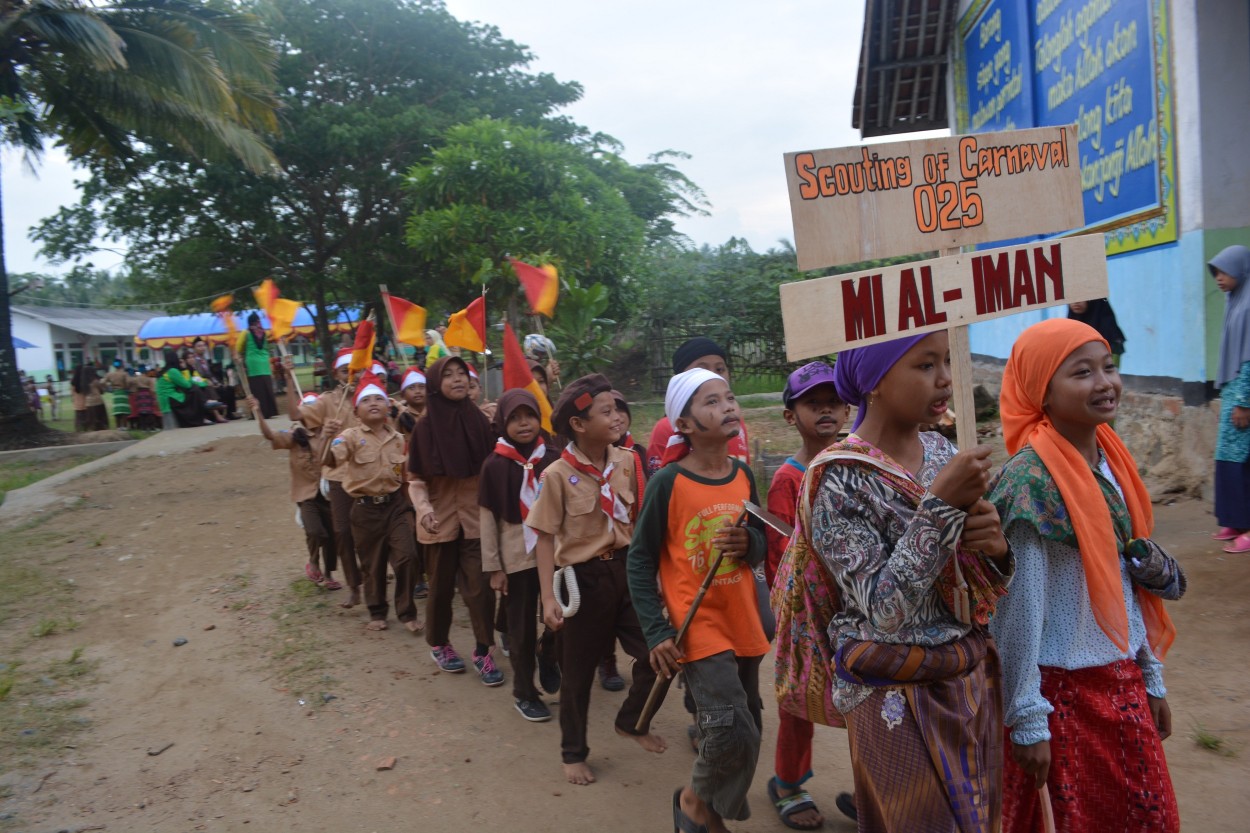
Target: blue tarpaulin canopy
[
  {"x": 182, "y": 330},
  {"x": 21, "y": 343}
]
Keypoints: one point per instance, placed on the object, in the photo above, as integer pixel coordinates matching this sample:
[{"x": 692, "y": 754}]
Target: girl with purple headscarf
[{"x": 899, "y": 521}]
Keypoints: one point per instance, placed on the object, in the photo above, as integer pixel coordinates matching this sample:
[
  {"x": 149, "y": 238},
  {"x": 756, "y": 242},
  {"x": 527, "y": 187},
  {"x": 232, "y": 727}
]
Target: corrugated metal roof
[
  {"x": 90, "y": 322},
  {"x": 901, "y": 87}
]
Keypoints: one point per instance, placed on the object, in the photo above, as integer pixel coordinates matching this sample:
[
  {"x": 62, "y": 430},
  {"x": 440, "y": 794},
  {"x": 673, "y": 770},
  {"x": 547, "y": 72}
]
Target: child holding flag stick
[
  {"x": 370, "y": 456},
  {"x": 689, "y": 512}
]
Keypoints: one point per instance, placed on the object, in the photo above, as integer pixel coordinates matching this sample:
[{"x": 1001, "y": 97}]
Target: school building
[
  {"x": 1160, "y": 96},
  {"x": 63, "y": 337}
]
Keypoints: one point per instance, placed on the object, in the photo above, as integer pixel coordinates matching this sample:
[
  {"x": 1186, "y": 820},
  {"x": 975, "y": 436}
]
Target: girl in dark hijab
[
  {"x": 445, "y": 455},
  {"x": 1099, "y": 315}
]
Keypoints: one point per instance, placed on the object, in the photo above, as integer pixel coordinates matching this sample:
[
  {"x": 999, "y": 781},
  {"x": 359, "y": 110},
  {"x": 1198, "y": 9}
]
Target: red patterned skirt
[{"x": 1107, "y": 769}]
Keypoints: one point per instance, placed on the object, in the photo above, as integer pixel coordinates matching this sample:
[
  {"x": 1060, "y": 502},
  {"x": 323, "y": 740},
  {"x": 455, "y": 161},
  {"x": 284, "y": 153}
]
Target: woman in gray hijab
[{"x": 1231, "y": 271}]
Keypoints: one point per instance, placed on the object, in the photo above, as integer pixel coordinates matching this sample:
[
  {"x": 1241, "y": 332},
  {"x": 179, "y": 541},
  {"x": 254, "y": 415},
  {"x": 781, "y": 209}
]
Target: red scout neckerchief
[
  {"x": 609, "y": 501},
  {"x": 627, "y": 441},
  {"x": 529, "y": 483}
]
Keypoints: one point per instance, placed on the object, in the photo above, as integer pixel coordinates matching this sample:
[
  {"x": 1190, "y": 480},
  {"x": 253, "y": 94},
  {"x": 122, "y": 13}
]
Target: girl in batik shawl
[
  {"x": 898, "y": 519},
  {"x": 1084, "y": 629}
]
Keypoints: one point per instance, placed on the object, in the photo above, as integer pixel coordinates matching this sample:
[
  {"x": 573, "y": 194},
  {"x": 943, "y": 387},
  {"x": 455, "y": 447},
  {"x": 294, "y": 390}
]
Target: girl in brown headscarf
[{"x": 448, "y": 446}]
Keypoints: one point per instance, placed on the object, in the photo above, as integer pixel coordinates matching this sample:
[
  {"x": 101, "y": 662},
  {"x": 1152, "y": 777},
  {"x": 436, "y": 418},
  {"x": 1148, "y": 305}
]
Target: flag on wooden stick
[
  {"x": 407, "y": 319},
  {"x": 467, "y": 328},
  {"x": 362, "y": 347},
  {"x": 517, "y": 374},
  {"x": 541, "y": 283},
  {"x": 221, "y": 305}
]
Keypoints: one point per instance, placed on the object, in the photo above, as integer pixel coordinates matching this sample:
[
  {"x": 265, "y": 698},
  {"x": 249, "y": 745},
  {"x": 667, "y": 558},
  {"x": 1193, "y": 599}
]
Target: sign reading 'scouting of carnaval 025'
[
  {"x": 825, "y": 315},
  {"x": 866, "y": 202}
]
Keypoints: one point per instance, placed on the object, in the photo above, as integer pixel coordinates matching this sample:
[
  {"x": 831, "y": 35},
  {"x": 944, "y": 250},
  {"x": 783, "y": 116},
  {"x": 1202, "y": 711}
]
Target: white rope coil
[
  {"x": 324, "y": 486},
  {"x": 565, "y": 579}
]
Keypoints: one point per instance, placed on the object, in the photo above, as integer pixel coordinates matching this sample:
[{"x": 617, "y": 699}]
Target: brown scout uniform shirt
[
  {"x": 568, "y": 507},
  {"x": 453, "y": 500},
  {"x": 370, "y": 463},
  {"x": 324, "y": 408},
  {"x": 305, "y": 463},
  {"x": 503, "y": 545}
]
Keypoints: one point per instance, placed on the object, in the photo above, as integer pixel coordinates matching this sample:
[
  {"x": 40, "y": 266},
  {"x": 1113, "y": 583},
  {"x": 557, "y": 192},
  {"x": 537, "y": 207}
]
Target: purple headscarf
[{"x": 860, "y": 369}]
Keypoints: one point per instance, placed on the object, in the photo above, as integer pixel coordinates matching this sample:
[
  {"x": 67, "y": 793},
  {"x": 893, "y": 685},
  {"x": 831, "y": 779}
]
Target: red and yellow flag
[
  {"x": 516, "y": 374},
  {"x": 221, "y": 306},
  {"x": 408, "y": 320},
  {"x": 467, "y": 328},
  {"x": 362, "y": 347},
  {"x": 281, "y": 311},
  {"x": 541, "y": 283}
]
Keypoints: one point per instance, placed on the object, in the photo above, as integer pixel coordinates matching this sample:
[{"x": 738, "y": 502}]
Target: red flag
[
  {"x": 362, "y": 348},
  {"x": 542, "y": 285},
  {"x": 467, "y": 328},
  {"x": 516, "y": 374},
  {"x": 407, "y": 320}
]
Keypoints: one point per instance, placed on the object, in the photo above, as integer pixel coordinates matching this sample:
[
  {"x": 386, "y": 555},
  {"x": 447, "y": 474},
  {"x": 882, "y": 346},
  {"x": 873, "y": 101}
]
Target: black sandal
[
  {"x": 682, "y": 823},
  {"x": 789, "y": 805}
]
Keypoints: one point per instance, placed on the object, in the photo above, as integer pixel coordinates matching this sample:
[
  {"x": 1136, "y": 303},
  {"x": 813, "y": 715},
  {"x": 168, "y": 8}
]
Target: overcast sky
[{"x": 735, "y": 84}]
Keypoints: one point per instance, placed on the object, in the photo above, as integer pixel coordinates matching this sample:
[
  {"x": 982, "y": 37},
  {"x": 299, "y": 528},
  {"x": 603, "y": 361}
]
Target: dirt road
[{"x": 280, "y": 706}]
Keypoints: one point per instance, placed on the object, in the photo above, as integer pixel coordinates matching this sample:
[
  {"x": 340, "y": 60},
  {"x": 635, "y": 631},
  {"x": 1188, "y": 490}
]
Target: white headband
[
  {"x": 342, "y": 360},
  {"x": 681, "y": 388},
  {"x": 412, "y": 377}
]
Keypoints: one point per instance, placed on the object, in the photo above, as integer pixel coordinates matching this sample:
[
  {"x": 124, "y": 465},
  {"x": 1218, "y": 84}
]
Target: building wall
[{"x": 37, "y": 361}]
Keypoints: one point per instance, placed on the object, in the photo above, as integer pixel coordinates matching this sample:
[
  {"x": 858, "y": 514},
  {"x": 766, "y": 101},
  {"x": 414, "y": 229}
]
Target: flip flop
[
  {"x": 332, "y": 584},
  {"x": 791, "y": 805},
  {"x": 314, "y": 574},
  {"x": 682, "y": 823},
  {"x": 1226, "y": 533},
  {"x": 1239, "y": 544}
]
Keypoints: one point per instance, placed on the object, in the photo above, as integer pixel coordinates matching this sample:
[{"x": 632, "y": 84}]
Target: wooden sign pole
[{"x": 961, "y": 381}]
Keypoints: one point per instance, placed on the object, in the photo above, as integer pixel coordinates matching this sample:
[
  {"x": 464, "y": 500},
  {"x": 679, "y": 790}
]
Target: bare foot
[
  {"x": 580, "y": 774},
  {"x": 414, "y": 626},
  {"x": 353, "y": 599},
  {"x": 376, "y": 625},
  {"x": 809, "y": 819},
  {"x": 650, "y": 741}
]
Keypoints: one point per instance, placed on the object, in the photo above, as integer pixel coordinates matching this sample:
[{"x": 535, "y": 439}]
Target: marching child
[
  {"x": 305, "y": 449},
  {"x": 584, "y": 516},
  {"x": 335, "y": 404},
  {"x": 445, "y": 456},
  {"x": 506, "y": 492},
  {"x": 411, "y": 402},
  {"x": 371, "y": 459},
  {"x": 1084, "y": 631},
  {"x": 688, "y": 515},
  {"x": 812, "y": 405}
]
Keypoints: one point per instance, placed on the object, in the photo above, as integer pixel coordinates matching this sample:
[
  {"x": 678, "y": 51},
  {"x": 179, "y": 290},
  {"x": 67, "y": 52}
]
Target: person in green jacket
[
  {"x": 178, "y": 395},
  {"x": 253, "y": 350}
]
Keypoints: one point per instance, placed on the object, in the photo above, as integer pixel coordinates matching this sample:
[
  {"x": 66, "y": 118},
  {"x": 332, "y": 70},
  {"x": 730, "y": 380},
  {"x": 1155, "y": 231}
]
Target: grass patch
[
  {"x": 20, "y": 475},
  {"x": 40, "y": 709},
  {"x": 299, "y": 658},
  {"x": 48, "y": 627},
  {"x": 1211, "y": 742}
]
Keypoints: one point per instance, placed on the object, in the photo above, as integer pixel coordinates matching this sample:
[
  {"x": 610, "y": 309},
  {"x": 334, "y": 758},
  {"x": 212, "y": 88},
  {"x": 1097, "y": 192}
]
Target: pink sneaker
[
  {"x": 1239, "y": 544},
  {"x": 1226, "y": 533}
]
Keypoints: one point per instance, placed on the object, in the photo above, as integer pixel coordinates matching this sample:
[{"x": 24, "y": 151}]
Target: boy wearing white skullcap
[{"x": 688, "y": 515}]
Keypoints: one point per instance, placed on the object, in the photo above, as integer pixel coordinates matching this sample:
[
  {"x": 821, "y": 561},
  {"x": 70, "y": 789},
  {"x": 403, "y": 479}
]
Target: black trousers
[
  {"x": 385, "y": 535},
  {"x": 606, "y": 612},
  {"x": 344, "y": 542},
  {"x": 318, "y": 522}
]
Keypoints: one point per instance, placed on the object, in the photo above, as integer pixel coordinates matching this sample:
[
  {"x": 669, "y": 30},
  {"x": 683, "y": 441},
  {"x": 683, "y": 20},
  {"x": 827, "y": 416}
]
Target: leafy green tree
[
  {"x": 370, "y": 88},
  {"x": 99, "y": 78},
  {"x": 499, "y": 189}
]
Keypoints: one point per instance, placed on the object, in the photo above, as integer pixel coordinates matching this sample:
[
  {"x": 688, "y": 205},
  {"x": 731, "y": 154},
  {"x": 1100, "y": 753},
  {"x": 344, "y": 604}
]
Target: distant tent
[{"x": 182, "y": 330}]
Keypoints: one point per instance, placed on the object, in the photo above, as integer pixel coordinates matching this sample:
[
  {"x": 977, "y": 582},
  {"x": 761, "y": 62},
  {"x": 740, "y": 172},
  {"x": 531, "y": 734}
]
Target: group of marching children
[{"x": 962, "y": 604}]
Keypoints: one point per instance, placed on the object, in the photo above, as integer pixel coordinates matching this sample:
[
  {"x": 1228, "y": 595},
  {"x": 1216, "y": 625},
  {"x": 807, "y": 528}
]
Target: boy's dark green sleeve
[
  {"x": 758, "y": 548},
  {"x": 643, "y": 562}
]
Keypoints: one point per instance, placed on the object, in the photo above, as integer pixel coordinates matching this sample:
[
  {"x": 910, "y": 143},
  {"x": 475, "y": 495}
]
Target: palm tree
[{"x": 98, "y": 78}]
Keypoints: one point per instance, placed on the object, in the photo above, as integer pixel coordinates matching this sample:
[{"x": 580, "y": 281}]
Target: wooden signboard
[
  {"x": 875, "y": 201},
  {"x": 825, "y": 315}
]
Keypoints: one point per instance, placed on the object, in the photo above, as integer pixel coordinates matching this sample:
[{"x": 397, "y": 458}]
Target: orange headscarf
[{"x": 1035, "y": 357}]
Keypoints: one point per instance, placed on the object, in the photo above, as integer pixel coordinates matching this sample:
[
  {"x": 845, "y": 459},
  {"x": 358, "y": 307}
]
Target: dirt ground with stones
[{"x": 279, "y": 710}]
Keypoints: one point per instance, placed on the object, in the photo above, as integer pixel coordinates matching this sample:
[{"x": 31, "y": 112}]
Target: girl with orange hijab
[{"x": 1083, "y": 631}]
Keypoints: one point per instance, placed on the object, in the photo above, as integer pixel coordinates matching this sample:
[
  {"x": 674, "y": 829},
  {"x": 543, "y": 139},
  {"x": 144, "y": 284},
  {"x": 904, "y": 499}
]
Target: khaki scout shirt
[
  {"x": 503, "y": 545},
  {"x": 568, "y": 507},
  {"x": 324, "y": 408},
  {"x": 370, "y": 462},
  {"x": 305, "y": 463},
  {"x": 452, "y": 500}
]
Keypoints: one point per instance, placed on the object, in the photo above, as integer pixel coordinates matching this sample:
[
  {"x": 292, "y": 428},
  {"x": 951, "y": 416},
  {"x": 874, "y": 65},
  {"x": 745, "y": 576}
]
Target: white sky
[{"x": 734, "y": 83}]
